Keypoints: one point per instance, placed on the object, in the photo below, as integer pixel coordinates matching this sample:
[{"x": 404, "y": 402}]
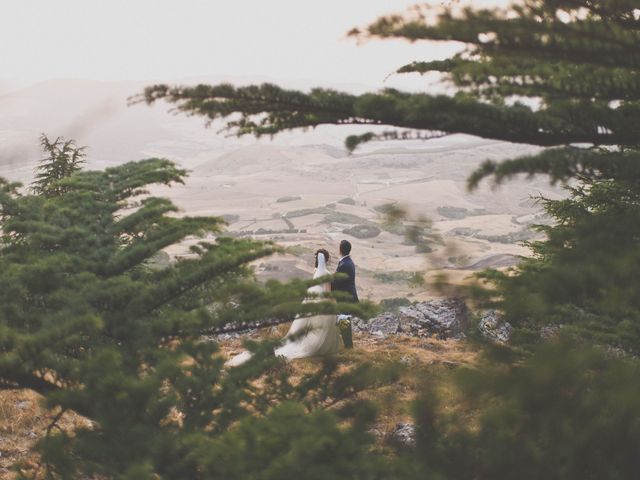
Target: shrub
[{"x": 362, "y": 231}]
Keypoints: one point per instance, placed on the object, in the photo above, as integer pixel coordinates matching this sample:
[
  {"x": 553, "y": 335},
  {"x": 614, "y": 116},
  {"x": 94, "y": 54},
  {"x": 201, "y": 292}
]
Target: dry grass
[
  {"x": 20, "y": 419},
  {"x": 425, "y": 362},
  {"x": 23, "y": 419}
]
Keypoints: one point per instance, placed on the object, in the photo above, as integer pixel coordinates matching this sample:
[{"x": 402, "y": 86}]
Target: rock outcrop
[
  {"x": 443, "y": 318},
  {"x": 493, "y": 327},
  {"x": 404, "y": 434},
  {"x": 384, "y": 324}
]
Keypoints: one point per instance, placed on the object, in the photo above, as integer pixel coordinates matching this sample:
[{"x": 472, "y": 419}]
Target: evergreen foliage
[
  {"x": 63, "y": 159},
  {"x": 89, "y": 324},
  {"x": 563, "y": 413},
  {"x": 564, "y": 164},
  {"x": 584, "y": 275}
]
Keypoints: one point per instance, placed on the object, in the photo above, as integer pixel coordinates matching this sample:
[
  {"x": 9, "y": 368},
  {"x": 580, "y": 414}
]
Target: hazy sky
[{"x": 173, "y": 39}]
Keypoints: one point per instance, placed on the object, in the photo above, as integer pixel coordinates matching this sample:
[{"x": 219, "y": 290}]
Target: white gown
[{"x": 322, "y": 335}]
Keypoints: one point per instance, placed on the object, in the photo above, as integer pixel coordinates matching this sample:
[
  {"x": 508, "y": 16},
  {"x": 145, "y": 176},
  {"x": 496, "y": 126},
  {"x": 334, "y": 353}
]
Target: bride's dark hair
[{"x": 326, "y": 255}]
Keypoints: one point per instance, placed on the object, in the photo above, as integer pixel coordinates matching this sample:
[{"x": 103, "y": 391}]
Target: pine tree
[
  {"x": 584, "y": 275},
  {"x": 90, "y": 323},
  {"x": 562, "y": 413},
  {"x": 63, "y": 159}
]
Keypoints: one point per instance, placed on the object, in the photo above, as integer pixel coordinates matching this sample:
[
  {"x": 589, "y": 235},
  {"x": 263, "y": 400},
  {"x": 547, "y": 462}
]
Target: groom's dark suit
[{"x": 348, "y": 284}]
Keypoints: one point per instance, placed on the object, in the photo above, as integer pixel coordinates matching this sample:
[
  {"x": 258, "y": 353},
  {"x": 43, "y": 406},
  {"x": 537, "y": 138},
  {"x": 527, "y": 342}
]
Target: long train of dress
[{"x": 307, "y": 337}]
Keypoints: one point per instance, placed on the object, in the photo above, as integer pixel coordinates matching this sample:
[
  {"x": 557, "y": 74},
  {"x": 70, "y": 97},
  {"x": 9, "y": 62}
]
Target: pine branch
[
  {"x": 500, "y": 77},
  {"x": 534, "y": 32},
  {"x": 563, "y": 164},
  {"x": 572, "y": 123},
  {"x": 191, "y": 274},
  {"x": 11, "y": 380},
  {"x": 157, "y": 237}
]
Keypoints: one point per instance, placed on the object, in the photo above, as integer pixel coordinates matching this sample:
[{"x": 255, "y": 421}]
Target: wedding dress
[
  {"x": 309, "y": 336},
  {"x": 323, "y": 335}
]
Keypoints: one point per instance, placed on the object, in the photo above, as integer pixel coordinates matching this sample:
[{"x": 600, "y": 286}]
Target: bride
[{"x": 309, "y": 336}]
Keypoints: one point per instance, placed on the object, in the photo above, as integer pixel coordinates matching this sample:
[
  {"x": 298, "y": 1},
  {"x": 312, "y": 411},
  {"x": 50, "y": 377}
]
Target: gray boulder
[
  {"x": 550, "y": 331},
  {"x": 444, "y": 318},
  {"x": 404, "y": 434},
  {"x": 493, "y": 327},
  {"x": 384, "y": 324}
]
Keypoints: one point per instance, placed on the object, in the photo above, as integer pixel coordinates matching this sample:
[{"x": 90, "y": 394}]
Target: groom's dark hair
[{"x": 345, "y": 247}]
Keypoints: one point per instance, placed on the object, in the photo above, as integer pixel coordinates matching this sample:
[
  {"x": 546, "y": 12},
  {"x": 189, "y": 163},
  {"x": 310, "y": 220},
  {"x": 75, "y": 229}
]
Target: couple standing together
[{"x": 320, "y": 334}]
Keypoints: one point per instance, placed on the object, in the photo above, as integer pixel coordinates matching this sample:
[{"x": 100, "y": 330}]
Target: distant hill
[
  {"x": 93, "y": 113},
  {"x": 257, "y": 158},
  {"x": 97, "y": 114}
]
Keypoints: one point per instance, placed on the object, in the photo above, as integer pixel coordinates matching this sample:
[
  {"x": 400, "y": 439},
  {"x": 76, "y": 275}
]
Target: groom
[{"x": 347, "y": 285}]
